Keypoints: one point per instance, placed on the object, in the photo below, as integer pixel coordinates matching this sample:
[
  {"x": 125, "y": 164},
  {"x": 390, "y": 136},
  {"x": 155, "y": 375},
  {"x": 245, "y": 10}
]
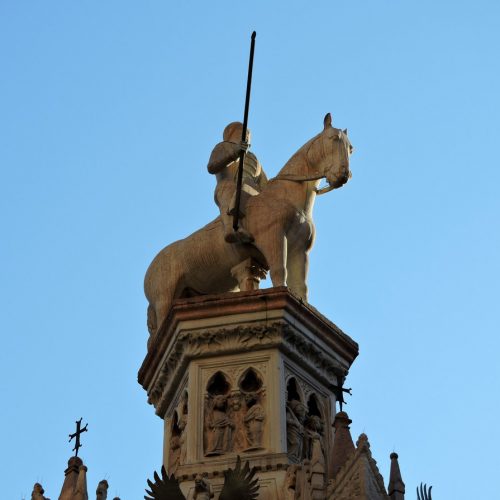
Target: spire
[
  {"x": 396, "y": 486},
  {"x": 343, "y": 446},
  {"x": 75, "y": 481}
]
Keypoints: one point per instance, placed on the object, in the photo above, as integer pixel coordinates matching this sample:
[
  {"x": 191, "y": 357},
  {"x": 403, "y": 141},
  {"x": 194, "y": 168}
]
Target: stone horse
[{"x": 279, "y": 218}]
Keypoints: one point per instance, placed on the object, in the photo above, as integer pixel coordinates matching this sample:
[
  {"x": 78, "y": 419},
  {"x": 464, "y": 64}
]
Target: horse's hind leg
[
  {"x": 297, "y": 266},
  {"x": 273, "y": 246}
]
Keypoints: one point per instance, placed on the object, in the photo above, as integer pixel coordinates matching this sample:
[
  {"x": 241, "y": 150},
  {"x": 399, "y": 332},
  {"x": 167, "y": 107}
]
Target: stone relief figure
[
  {"x": 220, "y": 427},
  {"x": 183, "y": 438},
  {"x": 295, "y": 417},
  {"x": 202, "y": 488},
  {"x": 254, "y": 420},
  {"x": 183, "y": 410},
  {"x": 37, "y": 493},
  {"x": 291, "y": 482},
  {"x": 297, "y": 484},
  {"x": 224, "y": 163},
  {"x": 279, "y": 219},
  {"x": 175, "y": 445},
  {"x": 236, "y": 416},
  {"x": 314, "y": 441}
]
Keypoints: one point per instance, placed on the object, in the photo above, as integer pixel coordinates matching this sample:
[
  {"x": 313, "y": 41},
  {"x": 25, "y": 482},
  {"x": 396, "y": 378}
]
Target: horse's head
[{"x": 332, "y": 154}]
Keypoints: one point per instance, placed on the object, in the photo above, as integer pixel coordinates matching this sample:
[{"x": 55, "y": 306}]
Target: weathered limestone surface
[
  {"x": 359, "y": 477},
  {"x": 247, "y": 374}
]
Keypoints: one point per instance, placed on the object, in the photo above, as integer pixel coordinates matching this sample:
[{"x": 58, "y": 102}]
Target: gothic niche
[
  {"x": 251, "y": 387},
  {"x": 218, "y": 428},
  {"x": 314, "y": 435},
  {"x": 296, "y": 414}
]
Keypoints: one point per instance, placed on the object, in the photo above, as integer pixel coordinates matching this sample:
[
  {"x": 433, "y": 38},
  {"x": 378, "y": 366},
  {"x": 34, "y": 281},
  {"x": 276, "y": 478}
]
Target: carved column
[{"x": 247, "y": 374}]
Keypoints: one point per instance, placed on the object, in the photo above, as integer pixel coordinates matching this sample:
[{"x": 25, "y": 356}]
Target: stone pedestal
[{"x": 248, "y": 374}]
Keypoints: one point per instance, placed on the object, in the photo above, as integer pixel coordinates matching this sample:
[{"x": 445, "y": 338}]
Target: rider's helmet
[{"x": 232, "y": 133}]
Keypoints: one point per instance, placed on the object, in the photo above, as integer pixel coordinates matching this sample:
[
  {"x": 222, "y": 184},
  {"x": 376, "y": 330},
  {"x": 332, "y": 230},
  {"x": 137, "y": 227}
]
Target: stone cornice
[
  {"x": 216, "y": 468},
  {"x": 210, "y": 306}
]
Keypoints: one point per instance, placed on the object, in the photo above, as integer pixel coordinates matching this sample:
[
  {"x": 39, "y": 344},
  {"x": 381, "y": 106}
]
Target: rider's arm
[{"x": 222, "y": 155}]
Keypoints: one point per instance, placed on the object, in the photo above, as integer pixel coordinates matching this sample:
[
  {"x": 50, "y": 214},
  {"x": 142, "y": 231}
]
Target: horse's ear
[
  {"x": 328, "y": 120},
  {"x": 345, "y": 131}
]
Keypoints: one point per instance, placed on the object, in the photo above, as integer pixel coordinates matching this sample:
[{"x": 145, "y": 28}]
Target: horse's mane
[{"x": 296, "y": 161}]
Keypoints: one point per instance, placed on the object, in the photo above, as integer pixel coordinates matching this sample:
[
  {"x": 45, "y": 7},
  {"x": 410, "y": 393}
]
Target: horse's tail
[{"x": 151, "y": 321}]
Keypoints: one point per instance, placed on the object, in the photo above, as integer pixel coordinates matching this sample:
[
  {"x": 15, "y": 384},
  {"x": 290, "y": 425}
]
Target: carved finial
[{"x": 362, "y": 441}]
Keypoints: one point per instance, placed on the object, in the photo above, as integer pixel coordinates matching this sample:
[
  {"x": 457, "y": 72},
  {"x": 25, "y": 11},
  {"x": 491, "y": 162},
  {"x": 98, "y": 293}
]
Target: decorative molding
[
  {"x": 239, "y": 338},
  {"x": 259, "y": 305}
]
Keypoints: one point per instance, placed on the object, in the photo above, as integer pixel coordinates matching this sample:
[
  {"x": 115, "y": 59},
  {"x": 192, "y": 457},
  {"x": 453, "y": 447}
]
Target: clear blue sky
[{"x": 108, "y": 112}]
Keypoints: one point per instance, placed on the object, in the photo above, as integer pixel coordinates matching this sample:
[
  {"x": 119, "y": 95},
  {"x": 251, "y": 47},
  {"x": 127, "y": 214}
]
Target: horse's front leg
[{"x": 297, "y": 267}]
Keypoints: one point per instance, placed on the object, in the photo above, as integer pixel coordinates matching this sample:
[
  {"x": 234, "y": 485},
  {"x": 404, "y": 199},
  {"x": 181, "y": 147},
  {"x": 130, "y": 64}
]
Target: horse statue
[{"x": 280, "y": 220}]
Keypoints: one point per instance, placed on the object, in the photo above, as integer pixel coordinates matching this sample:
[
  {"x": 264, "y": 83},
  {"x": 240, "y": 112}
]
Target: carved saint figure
[
  {"x": 224, "y": 163},
  {"x": 254, "y": 420},
  {"x": 37, "y": 493},
  {"x": 175, "y": 444},
  {"x": 220, "y": 427},
  {"x": 236, "y": 415},
  {"x": 295, "y": 417},
  {"x": 202, "y": 488},
  {"x": 175, "y": 451},
  {"x": 291, "y": 482},
  {"x": 182, "y": 438},
  {"x": 102, "y": 490},
  {"x": 314, "y": 451}
]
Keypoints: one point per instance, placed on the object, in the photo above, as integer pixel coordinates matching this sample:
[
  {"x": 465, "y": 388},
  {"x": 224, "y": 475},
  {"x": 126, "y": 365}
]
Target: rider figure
[{"x": 224, "y": 162}]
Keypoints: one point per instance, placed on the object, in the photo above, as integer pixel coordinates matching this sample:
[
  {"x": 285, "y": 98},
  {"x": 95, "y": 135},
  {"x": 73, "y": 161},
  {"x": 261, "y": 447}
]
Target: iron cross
[
  {"x": 339, "y": 390},
  {"x": 76, "y": 435}
]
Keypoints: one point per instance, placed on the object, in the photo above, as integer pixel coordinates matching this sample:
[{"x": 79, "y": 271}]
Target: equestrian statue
[{"x": 276, "y": 227}]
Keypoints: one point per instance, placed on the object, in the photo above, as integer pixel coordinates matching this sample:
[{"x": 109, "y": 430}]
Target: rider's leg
[{"x": 242, "y": 235}]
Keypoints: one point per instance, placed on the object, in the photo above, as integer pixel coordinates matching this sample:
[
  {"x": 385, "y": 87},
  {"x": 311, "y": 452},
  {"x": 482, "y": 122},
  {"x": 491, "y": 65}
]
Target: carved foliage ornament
[{"x": 210, "y": 342}]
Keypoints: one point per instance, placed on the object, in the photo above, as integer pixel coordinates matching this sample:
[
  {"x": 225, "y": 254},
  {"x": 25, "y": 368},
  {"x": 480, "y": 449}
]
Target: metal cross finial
[
  {"x": 76, "y": 435},
  {"x": 339, "y": 390}
]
